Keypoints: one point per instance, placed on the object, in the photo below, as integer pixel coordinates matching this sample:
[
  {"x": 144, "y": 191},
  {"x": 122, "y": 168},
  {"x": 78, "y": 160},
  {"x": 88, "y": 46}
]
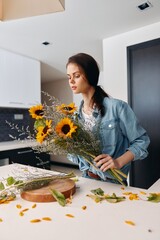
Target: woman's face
[{"x": 77, "y": 80}]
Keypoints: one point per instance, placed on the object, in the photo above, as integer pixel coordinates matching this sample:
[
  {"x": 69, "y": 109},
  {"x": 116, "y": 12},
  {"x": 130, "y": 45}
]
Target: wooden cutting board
[{"x": 65, "y": 186}]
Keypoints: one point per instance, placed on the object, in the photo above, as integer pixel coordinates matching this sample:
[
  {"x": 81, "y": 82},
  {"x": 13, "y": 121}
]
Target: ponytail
[{"x": 98, "y": 97}]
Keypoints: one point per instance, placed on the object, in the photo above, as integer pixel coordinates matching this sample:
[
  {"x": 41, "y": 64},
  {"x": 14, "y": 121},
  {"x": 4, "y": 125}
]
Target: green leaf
[
  {"x": 154, "y": 197},
  {"x": 39, "y": 122},
  {"x": 1, "y": 186},
  {"x": 10, "y": 181},
  {"x": 98, "y": 191},
  {"x": 18, "y": 182},
  {"x": 59, "y": 197},
  {"x": 114, "y": 198},
  {"x": 96, "y": 198},
  {"x": 100, "y": 196}
]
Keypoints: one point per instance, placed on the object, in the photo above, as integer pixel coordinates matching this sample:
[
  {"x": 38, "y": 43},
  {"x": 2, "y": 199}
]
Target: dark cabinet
[{"x": 27, "y": 156}]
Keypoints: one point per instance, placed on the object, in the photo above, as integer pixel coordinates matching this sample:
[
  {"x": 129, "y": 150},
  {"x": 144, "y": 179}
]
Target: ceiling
[{"x": 80, "y": 28}]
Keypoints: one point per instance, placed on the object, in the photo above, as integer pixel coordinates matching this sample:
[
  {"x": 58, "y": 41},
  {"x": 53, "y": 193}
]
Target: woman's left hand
[{"x": 105, "y": 162}]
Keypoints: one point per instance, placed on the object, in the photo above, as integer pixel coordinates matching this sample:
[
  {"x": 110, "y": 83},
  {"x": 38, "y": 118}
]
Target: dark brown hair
[{"x": 91, "y": 71}]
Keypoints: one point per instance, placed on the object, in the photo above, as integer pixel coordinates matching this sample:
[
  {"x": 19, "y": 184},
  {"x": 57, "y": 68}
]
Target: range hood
[{"x": 15, "y": 9}]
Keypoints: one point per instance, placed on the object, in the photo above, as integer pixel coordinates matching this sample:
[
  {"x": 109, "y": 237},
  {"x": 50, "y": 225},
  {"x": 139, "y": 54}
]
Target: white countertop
[
  {"x": 99, "y": 221},
  {"x": 10, "y": 145}
]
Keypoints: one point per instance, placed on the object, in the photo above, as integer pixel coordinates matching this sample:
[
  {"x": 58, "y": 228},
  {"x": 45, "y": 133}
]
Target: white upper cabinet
[{"x": 20, "y": 80}]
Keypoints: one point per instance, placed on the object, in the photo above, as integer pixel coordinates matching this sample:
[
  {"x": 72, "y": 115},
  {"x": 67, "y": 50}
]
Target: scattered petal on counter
[
  {"x": 18, "y": 206},
  {"x": 133, "y": 196},
  {"x": 35, "y": 220},
  {"x": 21, "y": 214},
  {"x": 25, "y": 210},
  {"x": 7, "y": 198},
  {"x": 130, "y": 222},
  {"x": 122, "y": 188},
  {"x": 34, "y": 205},
  {"x": 69, "y": 215},
  {"x": 69, "y": 200},
  {"x": 84, "y": 207},
  {"x": 143, "y": 193},
  {"x": 127, "y": 193},
  {"x": 46, "y": 219},
  {"x": 4, "y": 202}
]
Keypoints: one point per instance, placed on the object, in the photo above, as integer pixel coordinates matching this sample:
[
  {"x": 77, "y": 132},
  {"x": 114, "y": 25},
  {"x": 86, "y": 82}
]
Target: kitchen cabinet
[
  {"x": 26, "y": 156},
  {"x": 19, "y": 80},
  {"x": 29, "y": 157}
]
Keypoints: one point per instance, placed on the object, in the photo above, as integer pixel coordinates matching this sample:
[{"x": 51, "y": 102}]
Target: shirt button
[{"x": 110, "y": 125}]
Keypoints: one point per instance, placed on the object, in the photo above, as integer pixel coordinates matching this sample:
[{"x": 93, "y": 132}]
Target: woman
[{"x": 122, "y": 138}]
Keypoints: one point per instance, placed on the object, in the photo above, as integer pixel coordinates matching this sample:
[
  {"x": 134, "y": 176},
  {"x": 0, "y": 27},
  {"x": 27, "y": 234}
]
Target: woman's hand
[{"x": 105, "y": 162}]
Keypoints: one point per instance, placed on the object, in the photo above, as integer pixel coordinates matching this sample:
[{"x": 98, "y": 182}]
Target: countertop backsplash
[{"x": 17, "y": 116}]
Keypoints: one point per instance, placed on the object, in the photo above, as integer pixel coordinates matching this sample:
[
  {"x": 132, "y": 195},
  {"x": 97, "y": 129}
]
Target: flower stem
[
  {"x": 120, "y": 172},
  {"x": 116, "y": 174},
  {"x": 91, "y": 163},
  {"x": 117, "y": 177},
  {"x": 29, "y": 182},
  {"x": 87, "y": 153}
]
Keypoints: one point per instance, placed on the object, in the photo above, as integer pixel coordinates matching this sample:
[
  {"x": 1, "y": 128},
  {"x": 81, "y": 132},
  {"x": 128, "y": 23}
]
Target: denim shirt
[{"x": 119, "y": 131}]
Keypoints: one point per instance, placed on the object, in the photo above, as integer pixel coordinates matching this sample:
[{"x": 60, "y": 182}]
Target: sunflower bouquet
[{"x": 58, "y": 131}]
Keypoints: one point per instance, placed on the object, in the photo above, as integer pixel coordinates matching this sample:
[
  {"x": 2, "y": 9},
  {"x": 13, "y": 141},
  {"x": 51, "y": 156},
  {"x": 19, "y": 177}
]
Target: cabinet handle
[{"x": 26, "y": 151}]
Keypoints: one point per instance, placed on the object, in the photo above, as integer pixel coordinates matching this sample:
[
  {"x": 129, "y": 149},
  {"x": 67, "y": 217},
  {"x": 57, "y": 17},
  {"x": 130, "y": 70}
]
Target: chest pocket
[{"x": 110, "y": 133}]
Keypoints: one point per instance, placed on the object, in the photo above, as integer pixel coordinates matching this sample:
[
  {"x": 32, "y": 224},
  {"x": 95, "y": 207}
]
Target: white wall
[
  {"x": 115, "y": 58},
  {"x": 59, "y": 89}
]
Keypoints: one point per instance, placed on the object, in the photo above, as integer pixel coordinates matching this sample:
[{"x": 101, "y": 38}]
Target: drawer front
[{"x": 27, "y": 156}]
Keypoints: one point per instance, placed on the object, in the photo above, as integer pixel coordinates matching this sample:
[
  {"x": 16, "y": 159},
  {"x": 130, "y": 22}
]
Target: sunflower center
[
  {"x": 45, "y": 129},
  {"x": 65, "y": 128},
  {"x": 68, "y": 108},
  {"x": 39, "y": 112}
]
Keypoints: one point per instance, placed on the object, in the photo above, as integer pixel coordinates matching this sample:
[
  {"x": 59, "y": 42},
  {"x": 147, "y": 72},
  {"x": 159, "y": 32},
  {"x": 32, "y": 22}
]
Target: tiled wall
[{"x": 9, "y": 114}]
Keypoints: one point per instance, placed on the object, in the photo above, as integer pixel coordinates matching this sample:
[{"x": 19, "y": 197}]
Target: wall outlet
[{"x": 18, "y": 116}]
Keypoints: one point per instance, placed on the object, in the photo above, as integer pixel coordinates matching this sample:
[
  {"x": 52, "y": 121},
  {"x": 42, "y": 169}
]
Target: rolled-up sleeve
[{"x": 83, "y": 165}]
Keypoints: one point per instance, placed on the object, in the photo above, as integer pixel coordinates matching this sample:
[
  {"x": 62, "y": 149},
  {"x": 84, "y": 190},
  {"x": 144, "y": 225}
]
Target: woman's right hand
[{"x": 105, "y": 162}]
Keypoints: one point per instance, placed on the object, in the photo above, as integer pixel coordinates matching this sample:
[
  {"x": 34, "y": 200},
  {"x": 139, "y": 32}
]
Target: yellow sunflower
[
  {"x": 36, "y": 111},
  {"x": 43, "y": 131},
  {"x": 65, "y": 128},
  {"x": 67, "y": 109}
]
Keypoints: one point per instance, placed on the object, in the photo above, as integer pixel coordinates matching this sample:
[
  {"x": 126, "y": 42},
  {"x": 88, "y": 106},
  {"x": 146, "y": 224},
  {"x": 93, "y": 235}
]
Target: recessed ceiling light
[
  {"x": 144, "y": 6},
  {"x": 46, "y": 43}
]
